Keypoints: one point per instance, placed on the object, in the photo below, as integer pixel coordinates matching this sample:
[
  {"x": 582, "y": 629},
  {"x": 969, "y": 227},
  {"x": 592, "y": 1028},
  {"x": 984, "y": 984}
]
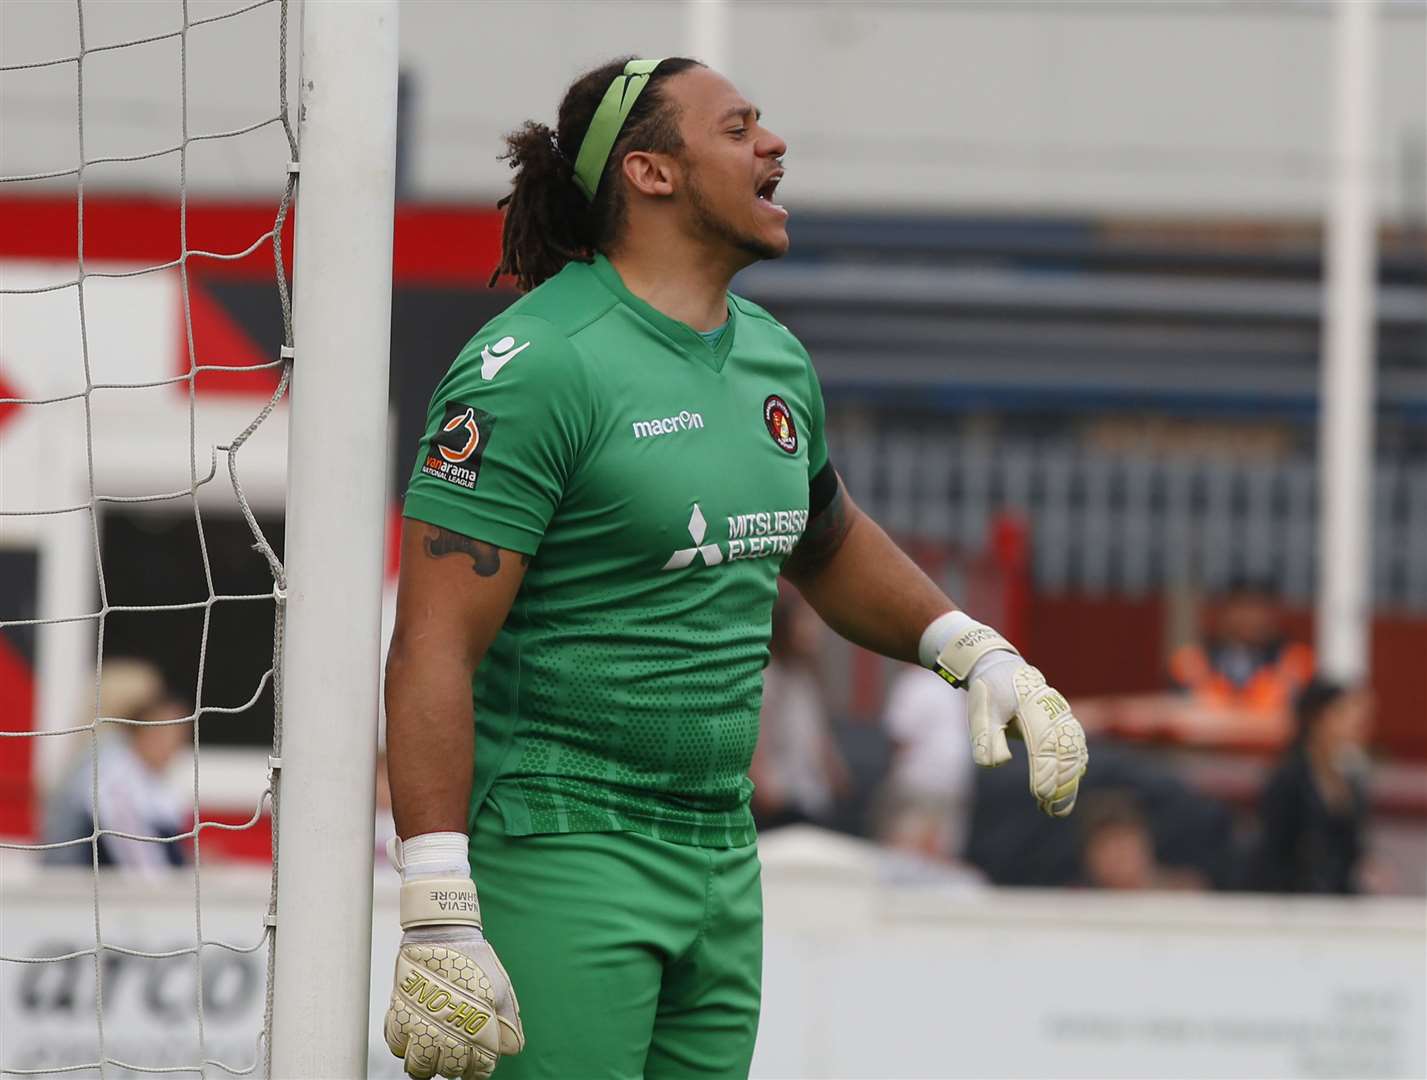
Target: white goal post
[{"x": 336, "y": 513}]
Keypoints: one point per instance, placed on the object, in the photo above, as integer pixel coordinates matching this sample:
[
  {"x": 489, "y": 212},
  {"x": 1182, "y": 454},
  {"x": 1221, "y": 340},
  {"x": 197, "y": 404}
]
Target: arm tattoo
[
  {"x": 485, "y": 558},
  {"x": 824, "y": 535}
]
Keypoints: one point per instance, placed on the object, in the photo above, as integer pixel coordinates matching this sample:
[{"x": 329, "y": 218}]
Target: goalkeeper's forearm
[
  {"x": 866, "y": 589},
  {"x": 862, "y": 584},
  {"x": 430, "y": 737}
]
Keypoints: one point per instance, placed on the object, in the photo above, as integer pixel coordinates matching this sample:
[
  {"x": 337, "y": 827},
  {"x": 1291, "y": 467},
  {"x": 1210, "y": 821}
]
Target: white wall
[
  {"x": 1171, "y": 107},
  {"x": 862, "y": 977}
]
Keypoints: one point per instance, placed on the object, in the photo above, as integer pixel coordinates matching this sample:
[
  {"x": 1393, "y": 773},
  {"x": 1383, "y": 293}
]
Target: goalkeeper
[{"x": 614, "y": 473}]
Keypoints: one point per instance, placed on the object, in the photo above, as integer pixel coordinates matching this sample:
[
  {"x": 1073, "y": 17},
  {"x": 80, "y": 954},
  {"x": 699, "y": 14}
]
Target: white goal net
[{"x": 116, "y": 421}]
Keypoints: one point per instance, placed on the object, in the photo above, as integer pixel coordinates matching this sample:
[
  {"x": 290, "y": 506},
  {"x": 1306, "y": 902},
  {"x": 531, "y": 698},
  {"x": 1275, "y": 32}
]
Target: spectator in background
[
  {"x": 1246, "y": 673},
  {"x": 133, "y": 795},
  {"x": 924, "y": 804},
  {"x": 1016, "y": 845},
  {"x": 1117, "y": 849},
  {"x": 1314, "y": 806},
  {"x": 797, "y": 769}
]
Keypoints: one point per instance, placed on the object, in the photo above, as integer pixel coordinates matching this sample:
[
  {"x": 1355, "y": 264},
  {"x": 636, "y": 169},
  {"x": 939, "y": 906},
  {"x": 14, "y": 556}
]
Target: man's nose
[{"x": 772, "y": 145}]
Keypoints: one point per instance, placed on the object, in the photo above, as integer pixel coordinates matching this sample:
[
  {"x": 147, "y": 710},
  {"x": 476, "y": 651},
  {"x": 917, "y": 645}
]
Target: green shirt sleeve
[
  {"x": 504, "y": 432},
  {"x": 817, "y": 437}
]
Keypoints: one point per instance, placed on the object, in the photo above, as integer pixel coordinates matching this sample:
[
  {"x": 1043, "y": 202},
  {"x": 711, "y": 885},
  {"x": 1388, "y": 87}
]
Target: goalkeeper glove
[
  {"x": 1009, "y": 695},
  {"x": 453, "y": 1010}
]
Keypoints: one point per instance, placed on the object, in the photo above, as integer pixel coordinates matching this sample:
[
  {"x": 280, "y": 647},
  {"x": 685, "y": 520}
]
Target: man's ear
[{"x": 650, "y": 173}]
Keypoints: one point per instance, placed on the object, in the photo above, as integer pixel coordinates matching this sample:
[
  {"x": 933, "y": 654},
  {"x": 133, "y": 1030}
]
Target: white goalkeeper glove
[
  {"x": 1009, "y": 695},
  {"x": 453, "y": 1011}
]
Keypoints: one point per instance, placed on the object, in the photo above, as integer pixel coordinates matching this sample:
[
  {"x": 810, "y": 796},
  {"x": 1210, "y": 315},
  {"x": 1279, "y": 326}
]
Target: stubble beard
[{"x": 713, "y": 225}]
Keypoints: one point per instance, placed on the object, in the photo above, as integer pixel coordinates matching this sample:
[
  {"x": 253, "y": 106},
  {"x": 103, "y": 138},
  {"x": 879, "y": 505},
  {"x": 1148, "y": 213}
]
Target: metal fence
[{"x": 1108, "y": 522}]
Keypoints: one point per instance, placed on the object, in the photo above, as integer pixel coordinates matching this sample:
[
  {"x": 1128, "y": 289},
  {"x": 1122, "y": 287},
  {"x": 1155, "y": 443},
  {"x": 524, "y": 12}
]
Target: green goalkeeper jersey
[{"x": 657, "y": 483}]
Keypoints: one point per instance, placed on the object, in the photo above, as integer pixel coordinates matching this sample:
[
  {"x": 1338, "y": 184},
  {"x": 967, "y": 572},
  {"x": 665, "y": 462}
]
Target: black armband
[{"x": 822, "y": 488}]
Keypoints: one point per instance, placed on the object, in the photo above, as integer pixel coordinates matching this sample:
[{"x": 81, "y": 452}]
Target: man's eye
[{"x": 739, "y": 132}]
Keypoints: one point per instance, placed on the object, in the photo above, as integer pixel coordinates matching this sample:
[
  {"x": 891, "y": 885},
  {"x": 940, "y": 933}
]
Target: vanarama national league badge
[
  {"x": 455, "y": 451},
  {"x": 779, "y": 420}
]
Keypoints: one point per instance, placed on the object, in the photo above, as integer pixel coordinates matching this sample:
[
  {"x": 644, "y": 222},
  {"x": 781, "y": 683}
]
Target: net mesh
[{"x": 199, "y": 476}]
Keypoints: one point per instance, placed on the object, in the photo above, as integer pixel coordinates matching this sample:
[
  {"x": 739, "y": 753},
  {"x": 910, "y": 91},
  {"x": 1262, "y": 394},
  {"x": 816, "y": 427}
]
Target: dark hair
[
  {"x": 1108, "y": 809},
  {"x": 548, "y": 222},
  {"x": 1312, "y": 702},
  {"x": 1249, "y": 587}
]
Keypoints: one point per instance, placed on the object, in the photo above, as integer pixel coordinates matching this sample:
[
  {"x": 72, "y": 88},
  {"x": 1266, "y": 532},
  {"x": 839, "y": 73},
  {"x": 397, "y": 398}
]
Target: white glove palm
[
  {"x": 1008, "y": 696},
  {"x": 453, "y": 1010}
]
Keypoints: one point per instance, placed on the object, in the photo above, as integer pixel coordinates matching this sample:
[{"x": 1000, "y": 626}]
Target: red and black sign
[
  {"x": 779, "y": 420},
  {"x": 19, "y": 593},
  {"x": 455, "y": 451}
]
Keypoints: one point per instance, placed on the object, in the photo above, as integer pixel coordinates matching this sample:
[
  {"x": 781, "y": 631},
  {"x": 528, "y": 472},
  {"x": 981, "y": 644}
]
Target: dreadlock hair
[{"x": 548, "y": 221}]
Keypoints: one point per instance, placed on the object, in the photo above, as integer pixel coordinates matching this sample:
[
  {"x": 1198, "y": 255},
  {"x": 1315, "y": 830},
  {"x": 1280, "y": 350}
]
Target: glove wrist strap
[
  {"x": 434, "y": 854},
  {"x": 439, "y": 901},
  {"x": 955, "y": 642}
]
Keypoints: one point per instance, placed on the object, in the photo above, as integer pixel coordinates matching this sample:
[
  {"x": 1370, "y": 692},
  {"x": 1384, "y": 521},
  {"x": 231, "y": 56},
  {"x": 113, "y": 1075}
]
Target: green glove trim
[
  {"x": 609, "y": 118},
  {"x": 949, "y": 677}
]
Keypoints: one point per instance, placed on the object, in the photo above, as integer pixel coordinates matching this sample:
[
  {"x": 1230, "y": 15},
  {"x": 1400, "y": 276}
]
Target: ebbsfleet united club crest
[{"x": 779, "y": 420}]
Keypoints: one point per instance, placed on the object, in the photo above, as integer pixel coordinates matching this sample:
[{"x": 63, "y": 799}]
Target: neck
[{"x": 677, "y": 275}]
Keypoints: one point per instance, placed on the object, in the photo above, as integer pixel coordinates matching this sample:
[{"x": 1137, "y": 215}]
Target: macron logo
[
  {"x": 667, "y": 425},
  {"x": 494, "y": 357}
]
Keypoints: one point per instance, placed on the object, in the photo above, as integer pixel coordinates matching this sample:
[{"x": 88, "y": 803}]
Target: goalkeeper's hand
[
  {"x": 453, "y": 1011},
  {"x": 1010, "y": 696}
]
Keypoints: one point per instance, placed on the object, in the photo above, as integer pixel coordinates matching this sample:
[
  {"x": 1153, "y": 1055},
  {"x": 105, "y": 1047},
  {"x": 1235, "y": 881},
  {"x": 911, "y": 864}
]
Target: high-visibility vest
[{"x": 1270, "y": 689}]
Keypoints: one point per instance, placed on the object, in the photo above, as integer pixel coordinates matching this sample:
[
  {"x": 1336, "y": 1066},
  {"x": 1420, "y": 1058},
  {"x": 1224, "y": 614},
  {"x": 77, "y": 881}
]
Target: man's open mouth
[{"x": 764, "y": 192}]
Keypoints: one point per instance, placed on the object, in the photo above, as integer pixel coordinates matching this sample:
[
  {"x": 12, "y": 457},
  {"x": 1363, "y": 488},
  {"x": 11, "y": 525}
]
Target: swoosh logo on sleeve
[{"x": 494, "y": 357}]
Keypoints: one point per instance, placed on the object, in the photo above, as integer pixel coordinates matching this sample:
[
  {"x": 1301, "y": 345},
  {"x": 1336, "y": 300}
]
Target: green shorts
[{"x": 632, "y": 957}]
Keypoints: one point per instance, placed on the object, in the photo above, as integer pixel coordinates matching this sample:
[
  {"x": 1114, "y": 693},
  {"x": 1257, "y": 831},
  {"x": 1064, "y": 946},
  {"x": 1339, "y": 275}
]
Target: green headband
[{"x": 604, "y": 129}]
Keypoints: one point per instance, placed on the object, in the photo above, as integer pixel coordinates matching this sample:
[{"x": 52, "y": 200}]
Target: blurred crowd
[
  {"x": 1242, "y": 690},
  {"x": 117, "y": 790}
]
